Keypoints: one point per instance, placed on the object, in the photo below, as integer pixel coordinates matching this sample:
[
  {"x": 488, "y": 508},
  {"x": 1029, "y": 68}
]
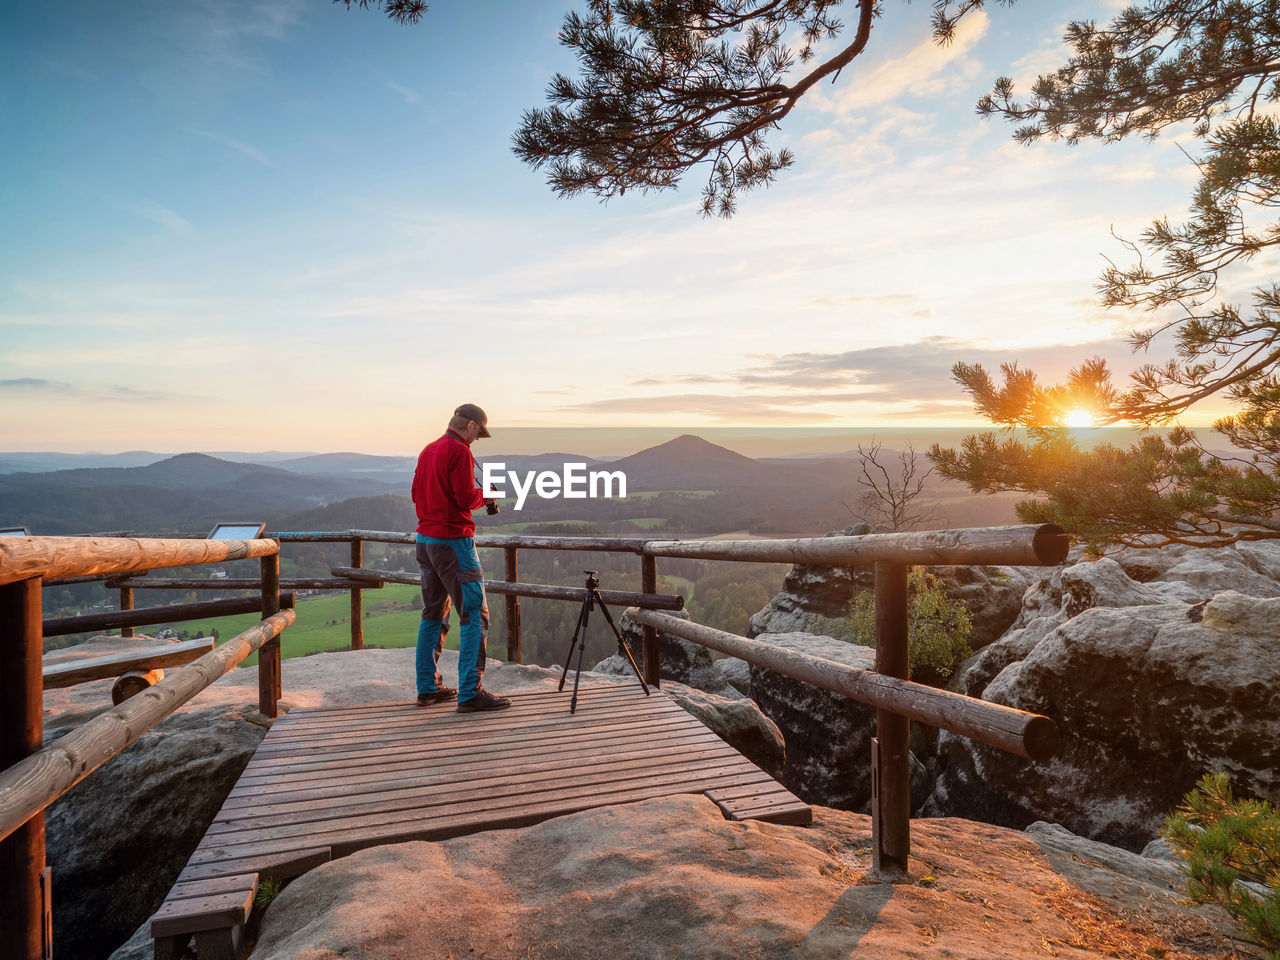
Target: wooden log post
[
  {"x": 25, "y": 931},
  {"x": 269, "y": 654},
  {"x": 890, "y": 750},
  {"x": 357, "y": 598},
  {"x": 649, "y": 636},
  {"x": 126, "y": 603},
  {"x": 513, "y": 607}
]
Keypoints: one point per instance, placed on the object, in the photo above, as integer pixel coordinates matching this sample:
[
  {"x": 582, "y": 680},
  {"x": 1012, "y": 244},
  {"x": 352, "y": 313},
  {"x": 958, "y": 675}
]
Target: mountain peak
[{"x": 687, "y": 463}]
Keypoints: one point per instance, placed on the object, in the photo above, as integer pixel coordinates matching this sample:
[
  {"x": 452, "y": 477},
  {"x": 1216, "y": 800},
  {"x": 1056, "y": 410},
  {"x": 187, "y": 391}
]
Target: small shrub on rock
[
  {"x": 1231, "y": 854},
  {"x": 938, "y": 627}
]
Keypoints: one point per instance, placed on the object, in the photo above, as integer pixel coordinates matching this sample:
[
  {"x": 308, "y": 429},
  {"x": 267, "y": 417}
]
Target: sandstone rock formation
[
  {"x": 667, "y": 878},
  {"x": 1150, "y": 691},
  {"x": 1148, "y": 695},
  {"x": 738, "y": 722}
]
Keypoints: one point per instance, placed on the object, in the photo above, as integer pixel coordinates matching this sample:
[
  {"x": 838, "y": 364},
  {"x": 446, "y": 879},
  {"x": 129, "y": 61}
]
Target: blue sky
[{"x": 285, "y": 225}]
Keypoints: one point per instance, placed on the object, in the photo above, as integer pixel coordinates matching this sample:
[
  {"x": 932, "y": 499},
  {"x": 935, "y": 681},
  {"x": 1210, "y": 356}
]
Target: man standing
[{"x": 445, "y": 493}]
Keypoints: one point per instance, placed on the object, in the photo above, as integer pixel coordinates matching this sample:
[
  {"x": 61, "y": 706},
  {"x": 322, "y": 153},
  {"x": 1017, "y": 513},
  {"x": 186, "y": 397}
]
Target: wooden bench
[
  {"x": 213, "y": 911},
  {"x": 136, "y": 669}
]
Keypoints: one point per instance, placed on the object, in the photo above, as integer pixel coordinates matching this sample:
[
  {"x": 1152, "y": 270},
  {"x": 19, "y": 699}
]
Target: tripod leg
[
  {"x": 622, "y": 645},
  {"x": 582, "y": 646},
  {"x": 579, "y": 629}
]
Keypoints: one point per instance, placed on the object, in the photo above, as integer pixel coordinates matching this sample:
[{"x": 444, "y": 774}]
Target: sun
[{"x": 1077, "y": 419}]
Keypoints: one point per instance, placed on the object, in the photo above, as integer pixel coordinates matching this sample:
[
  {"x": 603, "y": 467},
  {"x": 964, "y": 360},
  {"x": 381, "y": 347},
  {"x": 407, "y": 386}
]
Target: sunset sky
[{"x": 285, "y": 225}]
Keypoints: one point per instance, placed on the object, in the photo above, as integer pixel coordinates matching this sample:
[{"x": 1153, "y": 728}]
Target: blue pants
[{"x": 451, "y": 571}]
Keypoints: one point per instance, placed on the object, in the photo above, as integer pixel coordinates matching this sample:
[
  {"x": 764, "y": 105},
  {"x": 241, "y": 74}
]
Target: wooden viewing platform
[{"x": 327, "y": 782}]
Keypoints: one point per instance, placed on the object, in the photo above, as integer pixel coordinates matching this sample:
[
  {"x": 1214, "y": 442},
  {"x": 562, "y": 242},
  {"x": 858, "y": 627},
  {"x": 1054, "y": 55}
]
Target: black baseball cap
[{"x": 472, "y": 412}]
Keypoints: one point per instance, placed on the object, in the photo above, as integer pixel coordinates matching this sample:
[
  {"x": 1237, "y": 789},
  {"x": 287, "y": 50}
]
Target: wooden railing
[
  {"x": 510, "y": 587},
  {"x": 31, "y": 782},
  {"x": 32, "y": 777},
  {"x": 897, "y": 700}
]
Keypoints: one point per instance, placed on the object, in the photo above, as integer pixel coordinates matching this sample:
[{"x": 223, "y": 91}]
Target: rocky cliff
[
  {"x": 1158, "y": 665},
  {"x": 672, "y": 878}
]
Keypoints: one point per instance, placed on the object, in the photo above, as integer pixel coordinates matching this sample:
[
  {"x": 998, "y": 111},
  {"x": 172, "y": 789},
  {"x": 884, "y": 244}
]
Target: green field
[
  {"x": 650, "y": 494},
  {"x": 324, "y": 623}
]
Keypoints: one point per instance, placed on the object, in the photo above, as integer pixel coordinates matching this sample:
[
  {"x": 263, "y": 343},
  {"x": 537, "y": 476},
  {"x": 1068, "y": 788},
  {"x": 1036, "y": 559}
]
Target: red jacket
[{"x": 444, "y": 488}]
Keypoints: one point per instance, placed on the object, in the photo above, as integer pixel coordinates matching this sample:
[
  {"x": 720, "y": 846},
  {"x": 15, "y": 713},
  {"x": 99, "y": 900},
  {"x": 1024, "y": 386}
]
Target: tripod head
[{"x": 593, "y": 581}]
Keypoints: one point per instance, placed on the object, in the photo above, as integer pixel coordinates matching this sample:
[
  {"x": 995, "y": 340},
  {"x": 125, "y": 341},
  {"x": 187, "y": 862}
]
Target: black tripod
[{"x": 589, "y": 602}]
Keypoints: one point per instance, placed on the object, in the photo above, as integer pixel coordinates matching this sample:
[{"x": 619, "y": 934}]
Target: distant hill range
[
  {"x": 186, "y": 493},
  {"x": 698, "y": 487}
]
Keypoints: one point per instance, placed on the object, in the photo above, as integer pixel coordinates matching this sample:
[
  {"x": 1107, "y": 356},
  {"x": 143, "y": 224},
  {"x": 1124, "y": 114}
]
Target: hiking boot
[
  {"x": 483, "y": 700},
  {"x": 441, "y": 695}
]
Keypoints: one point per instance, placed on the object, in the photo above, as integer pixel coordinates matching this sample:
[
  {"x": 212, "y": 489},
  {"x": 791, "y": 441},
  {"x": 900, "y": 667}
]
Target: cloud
[
  {"x": 922, "y": 370},
  {"x": 727, "y": 407},
  {"x": 680, "y": 378},
  {"x": 934, "y": 408},
  {"x": 925, "y": 69},
  {"x": 239, "y": 146},
  {"x": 1044, "y": 60},
  {"x": 157, "y": 213},
  {"x": 222, "y": 34},
  {"x": 909, "y": 373},
  {"x": 134, "y": 395},
  {"x": 410, "y": 96},
  {"x": 902, "y": 381},
  {"x": 269, "y": 21},
  {"x": 875, "y": 300},
  {"x": 107, "y": 392}
]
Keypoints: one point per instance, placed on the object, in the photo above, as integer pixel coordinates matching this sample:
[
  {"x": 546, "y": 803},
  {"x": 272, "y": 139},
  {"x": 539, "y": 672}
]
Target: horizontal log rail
[
  {"x": 1029, "y": 735},
  {"x": 235, "y": 583},
  {"x": 1013, "y": 545},
  {"x": 483, "y": 541},
  {"x": 31, "y": 784},
  {"x": 621, "y": 598},
  {"x": 344, "y": 536},
  {"x": 366, "y": 576},
  {"x": 634, "y": 545},
  {"x": 93, "y": 578},
  {"x": 1017, "y": 545},
  {"x": 54, "y": 557},
  {"x": 171, "y": 613},
  {"x": 143, "y": 535}
]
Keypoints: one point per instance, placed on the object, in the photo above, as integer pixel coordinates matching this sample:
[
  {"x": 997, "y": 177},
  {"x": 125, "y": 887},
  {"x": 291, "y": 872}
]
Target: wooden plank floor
[{"x": 325, "y": 783}]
